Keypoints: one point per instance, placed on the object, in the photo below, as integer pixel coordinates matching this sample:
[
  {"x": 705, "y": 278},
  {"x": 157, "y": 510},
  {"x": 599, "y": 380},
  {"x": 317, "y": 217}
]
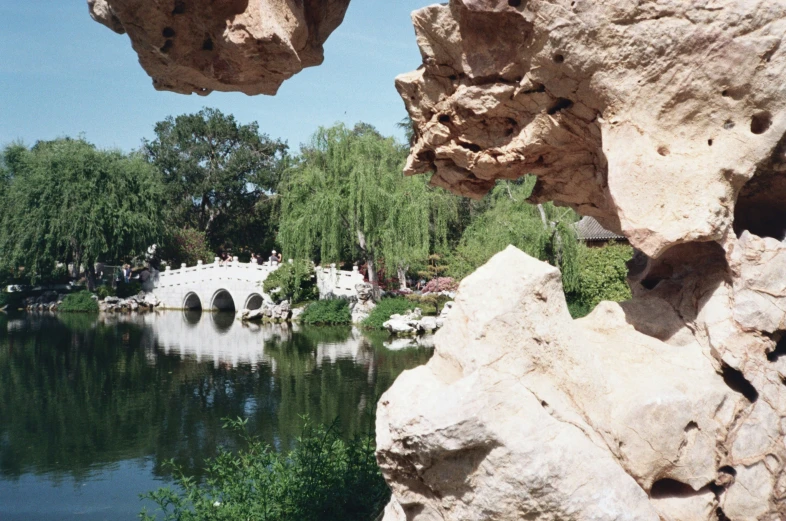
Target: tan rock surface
[
  {"x": 199, "y": 46},
  {"x": 649, "y": 115}
]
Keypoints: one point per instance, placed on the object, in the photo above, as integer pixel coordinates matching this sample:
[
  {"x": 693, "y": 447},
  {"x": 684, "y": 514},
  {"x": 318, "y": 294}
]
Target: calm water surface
[{"x": 90, "y": 409}]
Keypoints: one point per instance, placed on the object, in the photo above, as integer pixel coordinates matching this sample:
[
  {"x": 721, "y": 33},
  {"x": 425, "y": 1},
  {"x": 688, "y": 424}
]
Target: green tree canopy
[
  {"x": 66, "y": 201},
  {"x": 345, "y": 198},
  {"x": 219, "y": 176},
  {"x": 543, "y": 231}
]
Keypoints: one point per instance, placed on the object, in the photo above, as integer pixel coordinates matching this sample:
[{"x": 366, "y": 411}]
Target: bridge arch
[
  {"x": 254, "y": 301},
  {"x": 192, "y": 301},
  {"x": 222, "y": 301}
]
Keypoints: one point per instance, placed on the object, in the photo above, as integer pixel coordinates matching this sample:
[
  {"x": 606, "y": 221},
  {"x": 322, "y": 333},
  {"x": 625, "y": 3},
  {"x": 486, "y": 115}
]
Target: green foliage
[
  {"x": 80, "y": 302},
  {"x": 105, "y": 291},
  {"x": 347, "y": 199},
  {"x": 219, "y": 176},
  {"x": 125, "y": 290},
  {"x": 331, "y": 311},
  {"x": 69, "y": 202},
  {"x": 323, "y": 479},
  {"x": 294, "y": 282},
  {"x": 186, "y": 245},
  {"x": 386, "y": 307},
  {"x": 509, "y": 219},
  {"x": 602, "y": 275}
]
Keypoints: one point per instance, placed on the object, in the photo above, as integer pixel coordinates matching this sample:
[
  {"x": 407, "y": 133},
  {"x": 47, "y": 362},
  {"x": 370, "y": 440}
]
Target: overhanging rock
[{"x": 199, "y": 46}]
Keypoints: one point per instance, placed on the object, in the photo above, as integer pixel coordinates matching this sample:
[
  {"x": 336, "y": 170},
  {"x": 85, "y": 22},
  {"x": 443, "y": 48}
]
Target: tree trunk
[
  {"x": 372, "y": 277},
  {"x": 91, "y": 277},
  {"x": 402, "y": 276}
]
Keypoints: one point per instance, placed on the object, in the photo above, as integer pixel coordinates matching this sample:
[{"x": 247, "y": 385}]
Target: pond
[{"x": 92, "y": 408}]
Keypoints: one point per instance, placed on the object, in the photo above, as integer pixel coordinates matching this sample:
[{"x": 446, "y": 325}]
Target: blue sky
[{"x": 62, "y": 74}]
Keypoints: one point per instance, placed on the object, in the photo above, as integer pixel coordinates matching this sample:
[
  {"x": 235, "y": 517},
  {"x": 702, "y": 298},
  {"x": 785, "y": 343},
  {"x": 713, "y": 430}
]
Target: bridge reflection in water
[{"x": 221, "y": 339}]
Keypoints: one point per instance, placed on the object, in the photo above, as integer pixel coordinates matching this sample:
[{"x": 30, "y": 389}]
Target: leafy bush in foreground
[
  {"x": 80, "y": 302},
  {"x": 323, "y": 479},
  {"x": 334, "y": 311},
  {"x": 385, "y": 308}
]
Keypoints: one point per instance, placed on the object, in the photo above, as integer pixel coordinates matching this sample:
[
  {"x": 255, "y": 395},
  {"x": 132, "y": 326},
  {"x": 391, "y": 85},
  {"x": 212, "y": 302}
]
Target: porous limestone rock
[
  {"x": 523, "y": 413},
  {"x": 649, "y": 115},
  {"x": 200, "y": 46}
]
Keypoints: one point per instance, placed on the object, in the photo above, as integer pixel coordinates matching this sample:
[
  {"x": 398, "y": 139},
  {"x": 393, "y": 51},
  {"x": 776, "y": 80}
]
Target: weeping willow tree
[
  {"x": 346, "y": 198},
  {"x": 543, "y": 231},
  {"x": 67, "y": 201}
]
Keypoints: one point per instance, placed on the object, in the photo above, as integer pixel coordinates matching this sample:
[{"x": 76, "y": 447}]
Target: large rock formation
[
  {"x": 649, "y": 115},
  {"x": 226, "y": 45},
  {"x": 663, "y": 119}
]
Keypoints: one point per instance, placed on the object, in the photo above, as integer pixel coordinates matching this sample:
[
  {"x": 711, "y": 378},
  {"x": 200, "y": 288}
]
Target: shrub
[
  {"x": 129, "y": 289},
  {"x": 294, "y": 282},
  {"x": 441, "y": 284},
  {"x": 385, "y": 308},
  {"x": 323, "y": 479},
  {"x": 80, "y": 302},
  {"x": 334, "y": 311},
  {"x": 602, "y": 275},
  {"x": 12, "y": 300},
  {"x": 105, "y": 291}
]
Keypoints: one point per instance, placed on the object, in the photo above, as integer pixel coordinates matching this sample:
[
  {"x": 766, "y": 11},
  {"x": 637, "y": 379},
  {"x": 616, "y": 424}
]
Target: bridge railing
[
  {"x": 251, "y": 271},
  {"x": 331, "y": 281}
]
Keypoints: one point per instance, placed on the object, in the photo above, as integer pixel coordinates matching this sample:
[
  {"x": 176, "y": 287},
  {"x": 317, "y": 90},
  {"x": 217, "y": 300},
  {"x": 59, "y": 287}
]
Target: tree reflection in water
[{"x": 78, "y": 393}]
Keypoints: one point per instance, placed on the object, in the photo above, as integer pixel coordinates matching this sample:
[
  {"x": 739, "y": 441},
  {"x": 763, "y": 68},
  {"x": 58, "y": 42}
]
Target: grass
[
  {"x": 332, "y": 312},
  {"x": 80, "y": 302}
]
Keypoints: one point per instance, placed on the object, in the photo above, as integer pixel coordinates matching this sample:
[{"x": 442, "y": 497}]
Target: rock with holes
[
  {"x": 650, "y": 116},
  {"x": 524, "y": 413},
  {"x": 226, "y": 45}
]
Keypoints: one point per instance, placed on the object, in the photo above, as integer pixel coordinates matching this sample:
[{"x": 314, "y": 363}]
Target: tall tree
[
  {"x": 66, "y": 201},
  {"x": 543, "y": 231},
  {"x": 346, "y": 198},
  {"x": 219, "y": 175}
]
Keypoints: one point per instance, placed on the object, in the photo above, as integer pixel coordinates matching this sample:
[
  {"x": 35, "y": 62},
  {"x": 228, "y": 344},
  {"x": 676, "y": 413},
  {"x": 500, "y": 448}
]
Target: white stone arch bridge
[
  {"x": 227, "y": 286},
  {"x": 235, "y": 285}
]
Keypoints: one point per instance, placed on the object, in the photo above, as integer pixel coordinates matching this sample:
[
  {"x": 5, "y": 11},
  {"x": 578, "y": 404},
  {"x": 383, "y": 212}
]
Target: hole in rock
[
  {"x": 560, "y": 104},
  {"x": 728, "y": 469},
  {"x": 761, "y": 122},
  {"x": 737, "y": 382},
  {"x": 761, "y": 204},
  {"x": 207, "y": 45},
  {"x": 728, "y": 125},
  {"x": 427, "y": 156},
  {"x": 780, "y": 349},
  {"x": 709, "y": 142},
  {"x": 663, "y": 150},
  {"x": 651, "y": 282},
  {"x": 180, "y": 7},
  {"x": 444, "y": 118},
  {"x": 558, "y": 58},
  {"x": 721, "y": 515},
  {"x": 725, "y": 93},
  {"x": 471, "y": 147},
  {"x": 514, "y": 3},
  {"x": 537, "y": 87},
  {"x": 167, "y": 46},
  {"x": 452, "y": 77},
  {"x": 691, "y": 426},
  {"x": 168, "y": 32},
  {"x": 544, "y": 404},
  {"x": 668, "y": 488}
]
